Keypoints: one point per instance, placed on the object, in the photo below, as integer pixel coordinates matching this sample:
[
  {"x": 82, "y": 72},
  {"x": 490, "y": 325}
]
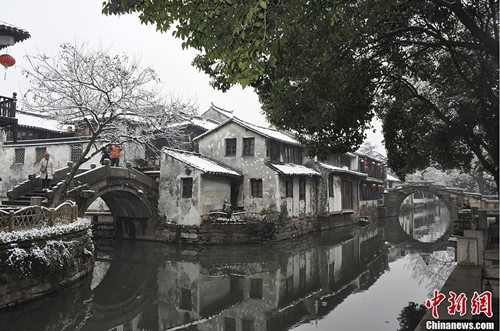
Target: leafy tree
[
  {"x": 427, "y": 68},
  {"x": 410, "y": 316},
  {"x": 114, "y": 99}
]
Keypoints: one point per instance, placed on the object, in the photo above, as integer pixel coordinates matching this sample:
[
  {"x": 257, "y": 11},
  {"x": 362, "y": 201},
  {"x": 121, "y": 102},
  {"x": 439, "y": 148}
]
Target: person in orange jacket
[{"x": 115, "y": 150}]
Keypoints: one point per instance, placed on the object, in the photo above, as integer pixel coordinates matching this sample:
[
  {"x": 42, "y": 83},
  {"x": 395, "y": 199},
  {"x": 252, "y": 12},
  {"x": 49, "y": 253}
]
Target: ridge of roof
[
  {"x": 270, "y": 133},
  {"x": 220, "y": 108}
]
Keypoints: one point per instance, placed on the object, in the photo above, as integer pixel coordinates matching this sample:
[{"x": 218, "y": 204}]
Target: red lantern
[
  {"x": 7, "y": 61},
  {"x": 363, "y": 185},
  {"x": 374, "y": 185}
]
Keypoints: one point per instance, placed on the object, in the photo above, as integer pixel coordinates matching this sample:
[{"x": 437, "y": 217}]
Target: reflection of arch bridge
[
  {"x": 125, "y": 287},
  {"x": 392, "y": 199}
]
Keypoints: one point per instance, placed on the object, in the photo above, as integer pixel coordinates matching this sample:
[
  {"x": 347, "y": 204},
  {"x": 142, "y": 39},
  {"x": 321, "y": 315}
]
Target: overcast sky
[{"x": 54, "y": 22}]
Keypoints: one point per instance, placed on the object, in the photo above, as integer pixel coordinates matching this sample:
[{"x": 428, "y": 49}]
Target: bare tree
[{"x": 112, "y": 96}]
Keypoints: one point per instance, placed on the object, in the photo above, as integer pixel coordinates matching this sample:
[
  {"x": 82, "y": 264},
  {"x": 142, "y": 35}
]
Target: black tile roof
[{"x": 18, "y": 34}]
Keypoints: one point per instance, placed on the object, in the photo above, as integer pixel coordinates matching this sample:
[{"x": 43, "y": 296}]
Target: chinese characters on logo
[{"x": 480, "y": 303}]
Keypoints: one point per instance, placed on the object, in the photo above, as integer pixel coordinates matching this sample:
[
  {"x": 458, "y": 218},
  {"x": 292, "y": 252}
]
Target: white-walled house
[
  {"x": 21, "y": 159},
  {"x": 191, "y": 186},
  {"x": 23, "y": 145},
  {"x": 338, "y": 191},
  {"x": 271, "y": 164},
  {"x": 273, "y": 175}
]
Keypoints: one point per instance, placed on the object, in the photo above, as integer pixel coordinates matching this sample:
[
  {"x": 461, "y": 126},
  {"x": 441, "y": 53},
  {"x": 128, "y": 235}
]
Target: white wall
[
  {"x": 14, "y": 173},
  {"x": 252, "y": 167}
]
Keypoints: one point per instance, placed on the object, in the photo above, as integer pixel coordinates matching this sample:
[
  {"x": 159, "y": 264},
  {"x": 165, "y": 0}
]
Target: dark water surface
[{"x": 345, "y": 279}]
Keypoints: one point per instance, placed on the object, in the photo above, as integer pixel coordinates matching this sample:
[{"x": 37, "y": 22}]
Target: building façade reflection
[{"x": 270, "y": 288}]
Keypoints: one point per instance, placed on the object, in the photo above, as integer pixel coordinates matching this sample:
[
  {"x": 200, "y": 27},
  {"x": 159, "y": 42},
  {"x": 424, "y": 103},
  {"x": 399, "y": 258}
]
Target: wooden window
[
  {"x": 229, "y": 324},
  {"x": 331, "y": 274},
  {"x": 247, "y": 325},
  {"x": 345, "y": 161},
  {"x": 231, "y": 147},
  {"x": 302, "y": 188},
  {"x": 287, "y": 152},
  {"x": 292, "y": 154},
  {"x": 187, "y": 187},
  {"x": 39, "y": 153},
  {"x": 273, "y": 150},
  {"x": 289, "y": 187},
  {"x": 289, "y": 287},
  {"x": 19, "y": 155},
  {"x": 256, "y": 288},
  {"x": 330, "y": 186},
  {"x": 346, "y": 192},
  {"x": 248, "y": 146},
  {"x": 76, "y": 152},
  {"x": 185, "y": 299},
  {"x": 302, "y": 279},
  {"x": 256, "y": 188}
]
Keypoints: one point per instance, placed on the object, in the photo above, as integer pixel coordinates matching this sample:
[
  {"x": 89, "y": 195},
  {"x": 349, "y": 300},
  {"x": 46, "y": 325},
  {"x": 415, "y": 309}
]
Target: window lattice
[
  {"x": 39, "y": 153},
  {"x": 76, "y": 152},
  {"x": 19, "y": 155}
]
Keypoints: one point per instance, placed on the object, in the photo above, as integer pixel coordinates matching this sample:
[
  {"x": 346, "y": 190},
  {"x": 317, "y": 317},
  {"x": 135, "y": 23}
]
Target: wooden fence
[{"x": 37, "y": 217}]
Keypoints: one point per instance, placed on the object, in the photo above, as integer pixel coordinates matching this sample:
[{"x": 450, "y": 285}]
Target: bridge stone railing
[
  {"x": 35, "y": 182},
  {"x": 96, "y": 174}
]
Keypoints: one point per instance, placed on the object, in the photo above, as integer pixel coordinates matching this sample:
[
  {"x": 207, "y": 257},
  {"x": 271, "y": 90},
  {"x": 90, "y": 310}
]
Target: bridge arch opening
[
  {"x": 424, "y": 216},
  {"x": 130, "y": 212},
  {"x": 424, "y": 213}
]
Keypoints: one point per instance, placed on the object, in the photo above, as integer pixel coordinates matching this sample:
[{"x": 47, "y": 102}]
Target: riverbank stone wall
[
  {"x": 248, "y": 231},
  {"x": 32, "y": 269}
]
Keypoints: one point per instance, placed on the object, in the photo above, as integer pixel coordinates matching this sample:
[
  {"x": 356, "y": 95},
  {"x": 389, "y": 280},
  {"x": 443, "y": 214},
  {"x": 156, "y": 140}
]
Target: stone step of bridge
[{"x": 27, "y": 199}]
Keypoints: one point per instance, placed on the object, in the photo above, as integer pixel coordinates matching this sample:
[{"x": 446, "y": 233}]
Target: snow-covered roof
[
  {"x": 376, "y": 156},
  {"x": 344, "y": 170},
  {"x": 39, "y": 121},
  {"x": 201, "y": 163},
  {"x": 291, "y": 169},
  {"x": 392, "y": 178},
  {"x": 199, "y": 122},
  {"x": 269, "y": 133}
]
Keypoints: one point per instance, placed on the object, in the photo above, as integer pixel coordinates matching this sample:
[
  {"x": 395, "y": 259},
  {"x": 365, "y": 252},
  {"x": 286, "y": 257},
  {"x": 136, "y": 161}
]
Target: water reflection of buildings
[
  {"x": 148, "y": 286},
  {"x": 285, "y": 289}
]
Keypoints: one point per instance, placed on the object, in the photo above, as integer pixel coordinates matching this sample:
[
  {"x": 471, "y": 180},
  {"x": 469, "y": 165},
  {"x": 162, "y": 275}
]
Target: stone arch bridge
[
  {"x": 392, "y": 199},
  {"x": 453, "y": 198},
  {"x": 131, "y": 196}
]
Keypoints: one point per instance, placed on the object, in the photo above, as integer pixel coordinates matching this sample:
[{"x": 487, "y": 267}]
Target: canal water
[{"x": 344, "y": 279}]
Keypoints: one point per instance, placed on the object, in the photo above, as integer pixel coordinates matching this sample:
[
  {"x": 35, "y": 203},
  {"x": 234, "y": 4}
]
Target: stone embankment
[
  {"x": 230, "y": 231},
  {"x": 477, "y": 272},
  {"x": 39, "y": 261}
]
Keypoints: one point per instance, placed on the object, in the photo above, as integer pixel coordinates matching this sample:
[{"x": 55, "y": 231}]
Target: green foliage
[
  {"x": 410, "y": 316},
  {"x": 427, "y": 68}
]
